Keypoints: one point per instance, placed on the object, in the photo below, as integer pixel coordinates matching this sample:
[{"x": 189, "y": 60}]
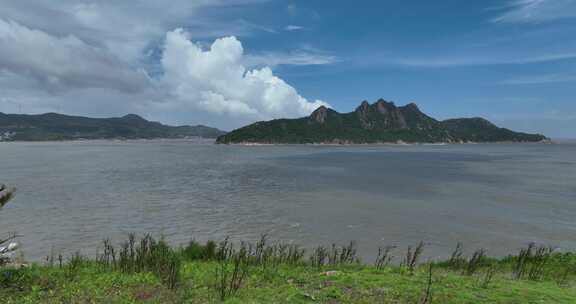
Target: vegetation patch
[{"x": 147, "y": 270}]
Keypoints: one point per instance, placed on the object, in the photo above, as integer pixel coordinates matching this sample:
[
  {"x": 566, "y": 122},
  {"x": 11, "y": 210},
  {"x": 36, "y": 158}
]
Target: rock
[
  {"x": 309, "y": 296},
  {"x": 320, "y": 115},
  {"x": 11, "y": 247}
]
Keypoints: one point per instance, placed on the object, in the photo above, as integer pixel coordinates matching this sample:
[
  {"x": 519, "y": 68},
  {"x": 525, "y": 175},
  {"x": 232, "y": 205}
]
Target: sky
[{"x": 229, "y": 63}]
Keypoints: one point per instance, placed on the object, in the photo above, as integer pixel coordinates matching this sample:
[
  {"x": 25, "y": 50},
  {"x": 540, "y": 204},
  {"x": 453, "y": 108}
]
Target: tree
[{"x": 6, "y": 194}]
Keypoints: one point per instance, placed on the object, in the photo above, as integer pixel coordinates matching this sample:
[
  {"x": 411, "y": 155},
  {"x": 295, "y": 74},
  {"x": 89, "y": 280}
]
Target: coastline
[
  {"x": 400, "y": 143},
  {"x": 117, "y": 140},
  {"x": 335, "y": 144}
]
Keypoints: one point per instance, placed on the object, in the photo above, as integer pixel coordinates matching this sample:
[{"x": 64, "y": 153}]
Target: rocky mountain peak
[
  {"x": 363, "y": 109},
  {"x": 412, "y": 106},
  {"x": 320, "y": 115},
  {"x": 384, "y": 106}
]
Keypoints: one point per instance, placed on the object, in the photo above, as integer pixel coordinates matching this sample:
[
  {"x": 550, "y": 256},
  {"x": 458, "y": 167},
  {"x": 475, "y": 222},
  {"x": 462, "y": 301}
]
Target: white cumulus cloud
[{"x": 215, "y": 80}]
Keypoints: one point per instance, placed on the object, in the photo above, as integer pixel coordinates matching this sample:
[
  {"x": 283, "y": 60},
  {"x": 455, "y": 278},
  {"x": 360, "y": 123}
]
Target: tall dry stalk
[{"x": 6, "y": 194}]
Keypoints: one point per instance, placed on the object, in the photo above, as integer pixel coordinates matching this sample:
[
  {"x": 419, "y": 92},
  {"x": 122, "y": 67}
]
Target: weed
[
  {"x": 475, "y": 262},
  {"x": 232, "y": 269},
  {"x": 412, "y": 257},
  {"x": 384, "y": 257},
  {"x": 147, "y": 256},
  {"x": 427, "y": 297},
  {"x": 75, "y": 264},
  {"x": 457, "y": 259},
  {"x": 531, "y": 262},
  {"x": 488, "y": 276},
  {"x": 336, "y": 255}
]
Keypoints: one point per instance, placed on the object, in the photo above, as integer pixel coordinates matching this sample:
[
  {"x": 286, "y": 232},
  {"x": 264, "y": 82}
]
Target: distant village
[{"x": 6, "y": 135}]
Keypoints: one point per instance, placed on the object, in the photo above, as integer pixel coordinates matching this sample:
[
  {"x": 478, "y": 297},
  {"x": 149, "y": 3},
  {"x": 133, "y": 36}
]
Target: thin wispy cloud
[
  {"x": 292, "y": 28},
  {"x": 546, "y": 115},
  {"x": 255, "y": 27},
  {"x": 455, "y": 61},
  {"x": 291, "y": 9},
  {"x": 540, "y": 79},
  {"x": 299, "y": 57},
  {"x": 534, "y": 11}
]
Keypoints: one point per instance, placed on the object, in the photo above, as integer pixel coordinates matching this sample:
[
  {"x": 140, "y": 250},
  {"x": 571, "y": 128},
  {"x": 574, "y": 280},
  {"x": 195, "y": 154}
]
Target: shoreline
[
  {"x": 116, "y": 140},
  {"x": 257, "y": 144},
  {"x": 249, "y": 144}
]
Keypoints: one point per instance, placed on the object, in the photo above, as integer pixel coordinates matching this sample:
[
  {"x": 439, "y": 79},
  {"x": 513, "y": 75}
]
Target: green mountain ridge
[
  {"x": 380, "y": 122},
  {"x": 54, "y": 126}
]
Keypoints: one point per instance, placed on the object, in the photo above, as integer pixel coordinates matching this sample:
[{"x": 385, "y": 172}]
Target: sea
[{"x": 499, "y": 197}]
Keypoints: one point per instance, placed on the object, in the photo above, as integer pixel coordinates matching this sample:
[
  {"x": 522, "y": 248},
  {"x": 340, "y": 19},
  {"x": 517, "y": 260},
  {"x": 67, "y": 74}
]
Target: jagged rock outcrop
[{"x": 319, "y": 115}]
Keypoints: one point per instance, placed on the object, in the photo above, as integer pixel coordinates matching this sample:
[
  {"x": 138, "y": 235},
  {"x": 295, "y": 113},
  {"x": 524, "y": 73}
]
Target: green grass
[
  {"x": 275, "y": 277},
  {"x": 286, "y": 284}
]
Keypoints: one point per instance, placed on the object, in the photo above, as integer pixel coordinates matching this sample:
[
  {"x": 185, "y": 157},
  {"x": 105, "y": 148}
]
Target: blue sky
[
  {"x": 511, "y": 61},
  {"x": 452, "y": 57}
]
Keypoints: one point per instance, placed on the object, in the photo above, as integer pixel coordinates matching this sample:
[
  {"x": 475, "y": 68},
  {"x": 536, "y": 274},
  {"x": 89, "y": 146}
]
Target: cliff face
[
  {"x": 380, "y": 115},
  {"x": 379, "y": 122}
]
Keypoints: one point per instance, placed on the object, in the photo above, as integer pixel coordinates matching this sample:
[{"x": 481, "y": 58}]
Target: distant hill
[
  {"x": 53, "y": 126},
  {"x": 380, "y": 122}
]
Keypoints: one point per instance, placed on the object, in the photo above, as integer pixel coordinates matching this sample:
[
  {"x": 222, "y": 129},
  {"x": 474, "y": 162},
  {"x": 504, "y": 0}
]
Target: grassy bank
[{"x": 149, "y": 271}]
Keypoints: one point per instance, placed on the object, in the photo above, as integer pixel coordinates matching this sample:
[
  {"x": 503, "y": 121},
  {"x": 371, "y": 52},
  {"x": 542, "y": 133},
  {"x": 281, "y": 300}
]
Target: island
[
  {"x": 379, "y": 122},
  {"x": 54, "y": 126}
]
